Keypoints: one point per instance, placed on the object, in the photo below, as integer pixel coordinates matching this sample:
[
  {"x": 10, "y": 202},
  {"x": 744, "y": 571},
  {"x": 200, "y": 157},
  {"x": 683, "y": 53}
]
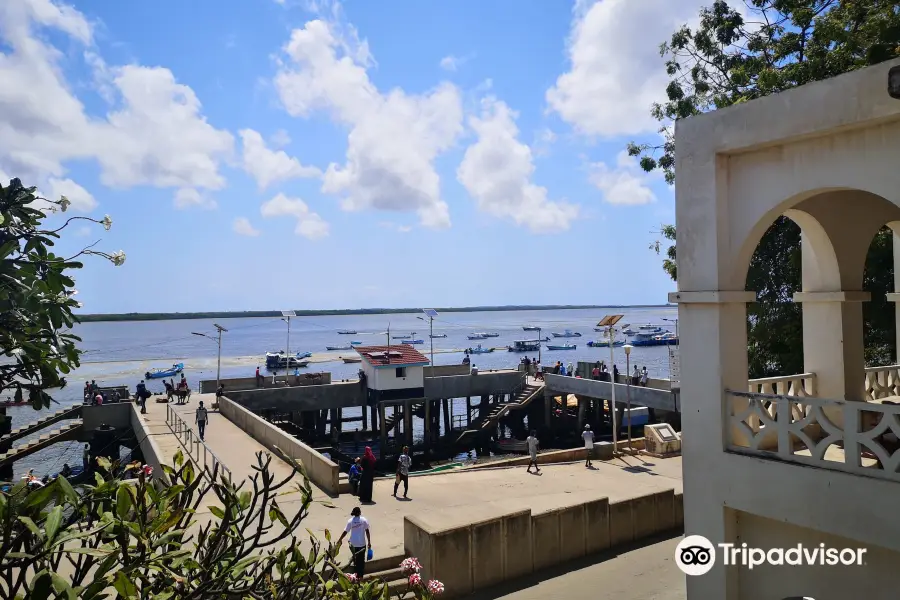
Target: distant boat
[
  {"x": 355, "y": 343},
  {"x": 566, "y": 346},
  {"x": 568, "y": 333},
  {"x": 277, "y": 360},
  {"x": 649, "y": 339},
  {"x": 413, "y": 342},
  {"x": 531, "y": 328},
  {"x": 437, "y": 335},
  {"x": 605, "y": 344},
  {"x": 487, "y": 335},
  {"x": 333, "y": 348},
  {"x": 346, "y": 332},
  {"x": 352, "y": 359},
  {"x": 160, "y": 373},
  {"x": 479, "y": 350},
  {"x": 477, "y": 336},
  {"x": 401, "y": 337},
  {"x": 525, "y": 346}
]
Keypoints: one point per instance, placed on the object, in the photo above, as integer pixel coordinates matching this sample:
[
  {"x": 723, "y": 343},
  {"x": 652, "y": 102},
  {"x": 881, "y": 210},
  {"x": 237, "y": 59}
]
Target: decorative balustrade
[
  {"x": 802, "y": 385},
  {"x": 855, "y": 437},
  {"x": 882, "y": 382}
]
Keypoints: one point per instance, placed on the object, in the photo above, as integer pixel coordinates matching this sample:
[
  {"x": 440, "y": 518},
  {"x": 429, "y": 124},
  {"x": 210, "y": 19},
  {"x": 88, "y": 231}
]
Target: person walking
[
  {"x": 201, "y": 418},
  {"x": 645, "y": 377},
  {"x": 532, "y": 443},
  {"x": 367, "y": 479},
  {"x": 360, "y": 541},
  {"x": 588, "y": 436},
  {"x": 142, "y": 394},
  {"x": 403, "y": 464},
  {"x": 259, "y": 378}
]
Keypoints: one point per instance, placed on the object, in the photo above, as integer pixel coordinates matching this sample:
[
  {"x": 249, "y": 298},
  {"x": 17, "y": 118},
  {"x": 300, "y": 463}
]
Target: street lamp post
[
  {"x": 287, "y": 314},
  {"x": 627, "y": 349},
  {"x": 540, "y": 343},
  {"x": 218, "y": 342},
  {"x": 611, "y": 337}
]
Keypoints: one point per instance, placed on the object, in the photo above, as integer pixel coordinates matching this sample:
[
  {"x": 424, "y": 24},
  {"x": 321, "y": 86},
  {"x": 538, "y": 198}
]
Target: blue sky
[{"x": 257, "y": 154}]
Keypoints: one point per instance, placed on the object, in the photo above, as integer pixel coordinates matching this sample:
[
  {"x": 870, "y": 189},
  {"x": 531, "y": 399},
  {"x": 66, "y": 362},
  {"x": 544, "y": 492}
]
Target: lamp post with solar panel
[
  {"x": 287, "y": 314},
  {"x": 431, "y": 314}
]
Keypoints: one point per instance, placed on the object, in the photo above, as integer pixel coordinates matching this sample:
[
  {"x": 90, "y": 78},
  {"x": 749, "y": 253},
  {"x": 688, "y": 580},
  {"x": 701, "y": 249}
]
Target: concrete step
[
  {"x": 60, "y": 415},
  {"x": 384, "y": 563},
  {"x": 388, "y": 575}
]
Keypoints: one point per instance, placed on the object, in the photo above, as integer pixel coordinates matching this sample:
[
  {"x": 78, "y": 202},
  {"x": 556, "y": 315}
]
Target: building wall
[{"x": 386, "y": 378}]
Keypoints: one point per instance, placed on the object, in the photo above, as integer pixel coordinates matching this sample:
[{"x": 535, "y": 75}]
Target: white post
[
  {"x": 612, "y": 377},
  {"x": 431, "y": 336},
  {"x": 287, "y": 353},
  {"x": 628, "y": 395},
  {"x": 219, "y": 364}
]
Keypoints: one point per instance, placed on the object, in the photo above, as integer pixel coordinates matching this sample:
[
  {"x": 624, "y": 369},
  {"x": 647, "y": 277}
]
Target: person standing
[
  {"x": 86, "y": 458},
  {"x": 403, "y": 464},
  {"x": 201, "y": 418},
  {"x": 367, "y": 479},
  {"x": 532, "y": 443},
  {"x": 259, "y": 378},
  {"x": 142, "y": 394},
  {"x": 645, "y": 377},
  {"x": 635, "y": 375},
  {"x": 588, "y": 436},
  {"x": 570, "y": 369},
  {"x": 360, "y": 540},
  {"x": 354, "y": 476}
]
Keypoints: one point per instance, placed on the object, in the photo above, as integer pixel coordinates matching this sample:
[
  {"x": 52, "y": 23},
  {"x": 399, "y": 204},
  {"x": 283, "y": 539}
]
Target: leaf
[
  {"x": 54, "y": 519},
  {"x": 95, "y": 552},
  {"x": 103, "y": 463},
  {"x": 218, "y": 512},
  {"x": 32, "y": 527},
  {"x": 123, "y": 501},
  {"x": 61, "y": 586},
  {"x": 124, "y": 585},
  {"x": 41, "y": 586},
  {"x": 68, "y": 492}
]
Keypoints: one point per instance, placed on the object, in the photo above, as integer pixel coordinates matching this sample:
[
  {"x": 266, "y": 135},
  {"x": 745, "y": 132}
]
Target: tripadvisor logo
[{"x": 696, "y": 555}]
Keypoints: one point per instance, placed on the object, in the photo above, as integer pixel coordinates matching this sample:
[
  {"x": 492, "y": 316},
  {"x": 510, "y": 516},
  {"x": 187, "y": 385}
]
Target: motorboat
[
  {"x": 160, "y": 373},
  {"x": 650, "y": 339},
  {"x": 346, "y": 332},
  {"x": 525, "y": 346},
  {"x": 479, "y": 350},
  {"x": 333, "y": 348},
  {"x": 487, "y": 335},
  {"x": 277, "y": 360},
  {"x": 648, "y": 329},
  {"x": 355, "y": 343},
  {"x": 531, "y": 328},
  {"x": 565, "y": 346},
  {"x": 401, "y": 337},
  {"x": 568, "y": 333},
  {"x": 437, "y": 335},
  {"x": 477, "y": 336},
  {"x": 605, "y": 344},
  {"x": 413, "y": 342},
  {"x": 351, "y": 359}
]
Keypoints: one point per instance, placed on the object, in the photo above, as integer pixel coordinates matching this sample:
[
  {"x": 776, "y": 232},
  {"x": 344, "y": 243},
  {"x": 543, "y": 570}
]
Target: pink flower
[
  {"x": 352, "y": 577},
  {"x": 148, "y": 470},
  {"x": 435, "y": 587},
  {"x": 410, "y": 565},
  {"x": 415, "y": 579}
]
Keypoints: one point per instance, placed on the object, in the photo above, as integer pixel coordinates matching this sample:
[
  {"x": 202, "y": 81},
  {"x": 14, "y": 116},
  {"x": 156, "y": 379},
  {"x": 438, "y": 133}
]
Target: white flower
[
  {"x": 107, "y": 222},
  {"x": 64, "y": 203},
  {"x": 79, "y": 305},
  {"x": 72, "y": 292},
  {"x": 118, "y": 258}
]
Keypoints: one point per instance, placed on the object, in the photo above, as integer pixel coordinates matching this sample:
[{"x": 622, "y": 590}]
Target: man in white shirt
[
  {"x": 403, "y": 464},
  {"x": 588, "y": 436},
  {"x": 201, "y": 418},
  {"x": 532, "y": 443},
  {"x": 360, "y": 540}
]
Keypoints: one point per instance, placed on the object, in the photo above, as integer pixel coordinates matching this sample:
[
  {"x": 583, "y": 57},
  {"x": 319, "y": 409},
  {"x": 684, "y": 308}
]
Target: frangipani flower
[
  {"x": 64, "y": 203},
  {"x": 107, "y": 222}
]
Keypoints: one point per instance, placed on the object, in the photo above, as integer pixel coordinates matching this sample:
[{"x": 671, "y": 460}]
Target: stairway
[
  {"x": 391, "y": 421},
  {"x": 67, "y": 432},
  {"x": 25, "y": 430},
  {"x": 388, "y": 570},
  {"x": 522, "y": 399}
]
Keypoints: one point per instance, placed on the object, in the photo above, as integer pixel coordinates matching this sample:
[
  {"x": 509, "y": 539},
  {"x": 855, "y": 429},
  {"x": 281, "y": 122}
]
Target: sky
[{"x": 304, "y": 154}]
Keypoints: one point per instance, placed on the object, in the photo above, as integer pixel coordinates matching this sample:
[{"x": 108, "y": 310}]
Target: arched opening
[{"x": 879, "y": 314}]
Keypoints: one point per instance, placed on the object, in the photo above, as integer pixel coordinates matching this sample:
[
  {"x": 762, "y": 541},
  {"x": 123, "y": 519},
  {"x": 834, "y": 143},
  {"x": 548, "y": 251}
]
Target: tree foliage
[
  {"x": 36, "y": 295},
  {"x": 735, "y": 56},
  {"x": 146, "y": 538}
]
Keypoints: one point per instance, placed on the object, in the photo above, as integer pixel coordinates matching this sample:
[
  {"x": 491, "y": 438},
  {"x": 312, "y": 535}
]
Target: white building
[
  {"x": 817, "y": 461},
  {"x": 393, "y": 372}
]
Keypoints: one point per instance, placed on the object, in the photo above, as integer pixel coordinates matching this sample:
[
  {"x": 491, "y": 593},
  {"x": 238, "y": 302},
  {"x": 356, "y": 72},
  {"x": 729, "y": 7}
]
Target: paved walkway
[{"x": 440, "y": 500}]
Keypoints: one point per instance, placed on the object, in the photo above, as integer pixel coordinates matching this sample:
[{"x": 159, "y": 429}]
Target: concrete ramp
[
  {"x": 557, "y": 385},
  {"x": 26, "y": 430}
]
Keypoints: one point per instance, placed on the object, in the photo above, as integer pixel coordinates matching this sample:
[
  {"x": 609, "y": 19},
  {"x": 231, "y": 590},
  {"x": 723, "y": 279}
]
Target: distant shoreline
[{"x": 94, "y": 318}]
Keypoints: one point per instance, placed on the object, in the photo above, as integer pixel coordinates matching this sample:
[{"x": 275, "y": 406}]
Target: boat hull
[
  {"x": 160, "y": 373},
  {"x": 531, "y": 329},
  {"x": 606, "y": 344},
  {"x": 413, "y": 342},
  {"x": 572, "y": 347},
  {"x": 335, "y": 348},
  {"x": 438, "y": 335},
  {"x": 665, "y": 342}
]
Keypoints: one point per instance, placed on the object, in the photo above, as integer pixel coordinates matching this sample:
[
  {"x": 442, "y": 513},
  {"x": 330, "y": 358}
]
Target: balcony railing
[
  {"x": 856, "y": 437},
  {"x": 802, "y": 385},
  {"x": 882, "y": 382}
]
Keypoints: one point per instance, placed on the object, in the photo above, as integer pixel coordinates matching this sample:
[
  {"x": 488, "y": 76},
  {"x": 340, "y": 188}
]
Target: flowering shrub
[
  {"x": 410, "y": 565},
  {"x": 415, "y": 579},
  {"x": 435, "y": 587}
]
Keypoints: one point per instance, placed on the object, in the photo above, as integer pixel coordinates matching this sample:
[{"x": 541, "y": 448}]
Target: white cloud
[
  {"x": 192, "y": 198},
  {"x": 450, "y": 63},
  {"x": 616, "y": 73},
  {"x": 156, "y": 135},
  {"x": 270, "y": 166},
  {"x": 279, "y": 139},
  {"x": 84, "y": 231},
  {"x": 625, "y": 183},
  {"x": 497, "y": 169},
  {"x": 309, "y": 224},
  {"x": 394, "y": 137},
  {"x": 242, "y": 226},
  {"x": 395, "y": 227},
  {"x": 81, "y": 199}
]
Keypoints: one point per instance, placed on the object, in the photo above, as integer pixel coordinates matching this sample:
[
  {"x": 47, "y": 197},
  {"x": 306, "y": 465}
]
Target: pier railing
[
  {"x": 196, "y": 448},
  {"x": 882, "y": 382},
  {"x": 801, "y": 385},
  {"x": 842, "y": 435}
]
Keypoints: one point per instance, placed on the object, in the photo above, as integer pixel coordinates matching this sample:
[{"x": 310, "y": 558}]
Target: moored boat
[
  {"x": 565, "y": 346},
  {"x": 160, "y": 373},
  {"x": 525, "y": 346},
  {"x": 649, "y": 339},
  {"x": 477, "y": 336},
  {"x": 333, "y": 348},
  {"x": 488, "y": 335},
  {"x": 351, "y": 359},
  {"x": 479, "y": 350},
  {"x": 355, "y": 343},
  {"x": 605, "y": 344},
  {"x": 346, "y": 332},
  {"x": 437, "y": 335},
  {"x": 568, "y": 333},
  {"x": 531, "y": 328},
  {"x": 413, "y": 342},
  {"x": 401, "y": 337}
]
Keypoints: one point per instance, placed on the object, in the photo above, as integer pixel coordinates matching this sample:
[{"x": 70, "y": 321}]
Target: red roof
[{"x": 399, "y": 354}]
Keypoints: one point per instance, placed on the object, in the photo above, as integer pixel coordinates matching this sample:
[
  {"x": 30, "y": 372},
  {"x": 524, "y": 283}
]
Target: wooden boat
[
  {"x": 477, "y": 336},
  {"x": 401, "y": 337},
  {"x": 605, "y": 344},
  {"x": 333, "y": 348},
  {"x": 346, "y": 332},
  {"x": 160, "y": 373},
  {"x": 531, "y": 328},
  {"x": 563, "y": 347},
  {"x": 525, "y": 346},
  {"x": 479, "y": 350},
  {"x": 568, "y": 333},
  {"x": 437, "y": 335},
  {"x": 352, "y": 359}
]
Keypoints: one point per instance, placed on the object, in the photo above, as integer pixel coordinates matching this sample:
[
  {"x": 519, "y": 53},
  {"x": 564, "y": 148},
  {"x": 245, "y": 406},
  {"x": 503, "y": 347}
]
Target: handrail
[{"x": 188, "y": 440}]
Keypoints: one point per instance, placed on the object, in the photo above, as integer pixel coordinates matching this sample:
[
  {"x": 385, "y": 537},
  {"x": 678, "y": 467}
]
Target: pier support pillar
[
  {"x": 581, "y": 412},
  {"x": 383, "y": 444},
  {"x": 374, "y": 411},
  {"x": 407, "y": 421},
  {"x": 365, "y": 418},
  {"x": 427, "y": 426},
  {"x": 6, "y": 472},
  {"x": 447, "y": 424}
]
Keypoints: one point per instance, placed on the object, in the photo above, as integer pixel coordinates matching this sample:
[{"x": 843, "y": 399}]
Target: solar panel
[
  {"x": 609, "y": 320},
  {"x": 430, "y": 312},
  {"x": 288, "y": 313}
]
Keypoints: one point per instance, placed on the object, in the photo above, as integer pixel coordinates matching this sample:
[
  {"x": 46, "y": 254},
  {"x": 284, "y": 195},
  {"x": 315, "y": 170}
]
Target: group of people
[
  {"x": 95, "y": 397},
  {"x": 173, "y": 390},
  {"x": 533, "y": 367},
  {"x": 362, "y": 474}
]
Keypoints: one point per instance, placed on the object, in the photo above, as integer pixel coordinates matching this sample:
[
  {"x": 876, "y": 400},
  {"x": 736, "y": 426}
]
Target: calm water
[{"x": 120, "y": 352}]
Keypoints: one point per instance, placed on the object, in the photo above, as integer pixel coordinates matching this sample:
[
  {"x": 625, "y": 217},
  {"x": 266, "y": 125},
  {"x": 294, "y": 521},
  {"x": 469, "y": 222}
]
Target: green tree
[
  {"x": 36, "y": 295},
  {"x": 730, "y": 59}
]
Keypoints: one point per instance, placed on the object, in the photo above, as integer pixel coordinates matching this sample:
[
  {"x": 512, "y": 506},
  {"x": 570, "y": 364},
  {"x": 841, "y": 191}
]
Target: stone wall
[
  {"x": 208, "y": 386},
  {"x": 490, "y": 551}
]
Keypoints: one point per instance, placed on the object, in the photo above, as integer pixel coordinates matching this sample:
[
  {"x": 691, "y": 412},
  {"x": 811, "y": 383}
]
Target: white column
[
  {"x": 713, "y": 350},
  {"x": 833, "y": 346}
]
